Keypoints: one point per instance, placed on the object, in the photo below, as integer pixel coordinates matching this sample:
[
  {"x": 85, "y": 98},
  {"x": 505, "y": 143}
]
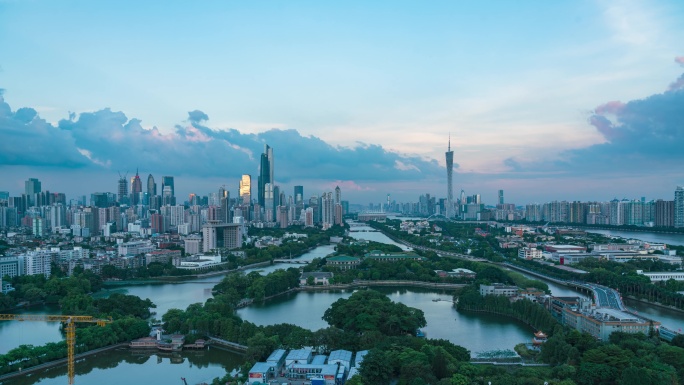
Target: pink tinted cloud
[
  {"x": 605, "y": 127},
  {"x": 614, "y": 107},
  {"x": 680, "y": 60},
  {"x": 348, "y": 185}
]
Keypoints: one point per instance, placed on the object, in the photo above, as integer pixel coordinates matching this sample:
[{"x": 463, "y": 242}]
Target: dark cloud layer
[
  {"x": 109, "y": 140},
  {"x": 642, "y": 136}
]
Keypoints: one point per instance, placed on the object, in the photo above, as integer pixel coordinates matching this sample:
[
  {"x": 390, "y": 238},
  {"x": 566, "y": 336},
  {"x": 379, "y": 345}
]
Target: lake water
[
  {"x": 648, "y": 236},
  {"x": 476, "y": 332},
  {"x": 130, "y": 367}
]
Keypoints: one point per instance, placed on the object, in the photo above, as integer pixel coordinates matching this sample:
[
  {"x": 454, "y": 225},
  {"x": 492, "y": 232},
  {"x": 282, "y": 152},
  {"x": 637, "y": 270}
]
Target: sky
[{"x": 574, "y": 100}]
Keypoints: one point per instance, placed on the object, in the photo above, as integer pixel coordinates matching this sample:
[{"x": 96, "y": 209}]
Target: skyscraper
[
  {"x": 338, "y": 195},
  {"x": 265, "y": 176},
  {"x": 122, "y": 189},
  {"x": 299, "y": 194},
  {"x": 151, "y": 186},
  {"x": 32, "y": 186},
  {"x": 501, "y": 197},
  {"x": 679, "y": 207},
  {"x": 168, "y": 181},
  {"x": 450, "y": 170},
  {"x": 136, "y": 189},
  {"x": 246, "y": 189}
]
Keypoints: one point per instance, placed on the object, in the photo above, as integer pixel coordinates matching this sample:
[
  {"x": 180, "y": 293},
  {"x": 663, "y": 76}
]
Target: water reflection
[{"x": 140, "y": 367}]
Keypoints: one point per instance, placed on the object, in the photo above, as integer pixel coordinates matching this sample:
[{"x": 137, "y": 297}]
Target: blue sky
[{"x": 362, "y": 94}]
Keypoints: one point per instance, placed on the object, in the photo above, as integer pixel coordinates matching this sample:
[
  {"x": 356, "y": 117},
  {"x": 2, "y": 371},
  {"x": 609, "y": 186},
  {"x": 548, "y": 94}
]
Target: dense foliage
[
  {"x": 625, "y": 359},
  {"x": 369, "y": 310},
  {"x": 238, "y": 286},
  {"x": 38, "y": 289},
  {"x": 128, "y": 315},
  {"x": 526, "y": 311}
]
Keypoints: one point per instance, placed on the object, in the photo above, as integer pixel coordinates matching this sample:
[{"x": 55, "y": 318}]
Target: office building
[
  {"x": 299, "y": 194},
  {"x": 122, "y": 190},
  {"x": 31, "y": 188},
  {"x": 245, "y": 189},
  {"x": 265, "y": 176},
  {"x": 167, "y": 181},
  {"x": 136, "y": 189},
  {"x": 217, "y": 235},
  {"x": 151, "y": 186},
  {"x": 501, "y": 197}
]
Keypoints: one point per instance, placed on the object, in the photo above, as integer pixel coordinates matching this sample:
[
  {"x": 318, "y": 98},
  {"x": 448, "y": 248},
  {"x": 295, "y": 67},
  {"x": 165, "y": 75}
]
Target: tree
[
  {"x": 369, "y": 310},
  {"x": 376, "y": 368}
]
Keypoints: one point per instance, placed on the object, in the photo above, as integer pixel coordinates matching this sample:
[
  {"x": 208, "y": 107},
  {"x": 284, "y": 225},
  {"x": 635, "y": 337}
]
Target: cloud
[
  {"x": 513, "y": 164},
  {"x": 109, "y": 140},
  {"x": 25, "y": 139},
  {"x": 197, "y": 116},
  {"x": 642, "y": 135}
]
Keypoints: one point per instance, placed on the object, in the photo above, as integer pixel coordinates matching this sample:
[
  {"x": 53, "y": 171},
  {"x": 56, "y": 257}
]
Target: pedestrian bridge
[
  {"x": 232, "y": 345},
  {"x": 296, "y": 261}
]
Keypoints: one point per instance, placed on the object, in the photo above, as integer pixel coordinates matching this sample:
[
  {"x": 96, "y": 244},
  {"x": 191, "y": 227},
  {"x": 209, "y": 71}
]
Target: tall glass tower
[
  {"x": 450, "y": 188},
  {"x": 265, "y": 182}
]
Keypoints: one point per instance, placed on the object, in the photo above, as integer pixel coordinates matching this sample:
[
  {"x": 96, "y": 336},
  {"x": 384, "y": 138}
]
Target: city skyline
[{"x": 361, "y": 96}]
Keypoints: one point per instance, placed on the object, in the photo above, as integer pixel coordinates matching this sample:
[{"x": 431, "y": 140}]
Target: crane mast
[{"x": 69, "y": 325}]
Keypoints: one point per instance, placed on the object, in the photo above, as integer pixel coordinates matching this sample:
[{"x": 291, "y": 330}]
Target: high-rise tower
[
  {"x": 246, "y": 189},
  {"x": 136, "y": 189},
  {"x": 679, "y": 207},
  {"x": 450, "y": 170},
  {"x": 122, "y": 189},
  {"x": 265, "y": 180},
  {"x": 151, "y": 186}
]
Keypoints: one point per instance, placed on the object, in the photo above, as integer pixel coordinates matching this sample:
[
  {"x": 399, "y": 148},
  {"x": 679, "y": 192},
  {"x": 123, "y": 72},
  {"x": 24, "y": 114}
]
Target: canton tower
[{"x": 450, "y": 190}]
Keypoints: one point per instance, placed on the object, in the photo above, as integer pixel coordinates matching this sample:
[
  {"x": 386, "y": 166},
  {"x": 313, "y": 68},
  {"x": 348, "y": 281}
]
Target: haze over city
[{"x": 575, "y": 100}]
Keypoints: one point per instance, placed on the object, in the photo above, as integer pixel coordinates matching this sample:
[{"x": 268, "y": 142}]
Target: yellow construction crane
[{"x": 70, "y": 326}]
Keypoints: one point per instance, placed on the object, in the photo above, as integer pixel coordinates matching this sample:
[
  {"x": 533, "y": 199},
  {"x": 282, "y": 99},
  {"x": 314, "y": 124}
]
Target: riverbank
[
  {"x": 62, "y": 361},
  {"x": 185, "y": 278},
  {"x": 656, "y": 304}
]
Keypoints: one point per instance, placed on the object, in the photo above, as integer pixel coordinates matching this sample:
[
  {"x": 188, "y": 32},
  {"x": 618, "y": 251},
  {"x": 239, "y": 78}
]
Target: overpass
[{"x": 603, "y": 296}]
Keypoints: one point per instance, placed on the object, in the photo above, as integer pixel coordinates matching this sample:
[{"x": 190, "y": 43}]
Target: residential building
[{"x": 679, "y": 207}]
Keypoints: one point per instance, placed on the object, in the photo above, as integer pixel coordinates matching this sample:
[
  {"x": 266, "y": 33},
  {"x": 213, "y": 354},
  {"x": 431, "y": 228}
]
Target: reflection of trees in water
[{"x": 109, "y": 360}]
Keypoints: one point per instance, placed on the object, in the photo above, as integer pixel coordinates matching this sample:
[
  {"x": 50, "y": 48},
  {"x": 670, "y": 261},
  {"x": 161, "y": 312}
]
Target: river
[
  {"x": 370, "y": 234},
  {"x": 648, "y": 236}
]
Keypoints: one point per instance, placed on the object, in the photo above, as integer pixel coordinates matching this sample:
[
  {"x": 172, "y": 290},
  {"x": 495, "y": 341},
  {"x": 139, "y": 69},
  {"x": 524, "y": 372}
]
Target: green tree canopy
[{"x": 369, "y": 310}]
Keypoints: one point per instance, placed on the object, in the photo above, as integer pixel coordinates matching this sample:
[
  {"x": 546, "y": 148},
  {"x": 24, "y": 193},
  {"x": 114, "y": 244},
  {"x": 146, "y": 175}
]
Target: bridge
[
  {"x": 231, "y": 345},
  {"x": 296, "y": 261}
]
